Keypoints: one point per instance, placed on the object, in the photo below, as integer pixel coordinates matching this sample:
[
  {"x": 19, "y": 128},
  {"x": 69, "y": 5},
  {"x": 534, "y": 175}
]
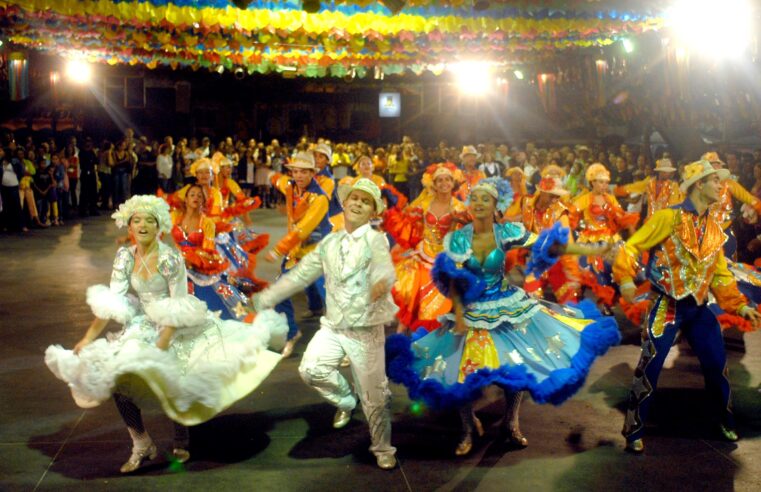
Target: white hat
[
  {"x": 552, "y": 186},
  {"x": 324, "y": 149},
  {"x": 698, "y": 170},
  {"x": 366, "y": 185},
  {"x": 149, "y": 204},
  {"x": 302, "y": 160},
  {"x": 664, "y": 166},
  {"x": 469, "y": 150}
]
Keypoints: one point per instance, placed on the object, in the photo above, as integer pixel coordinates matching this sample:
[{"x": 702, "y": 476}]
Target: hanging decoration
[{"x": 342, "y": 36}]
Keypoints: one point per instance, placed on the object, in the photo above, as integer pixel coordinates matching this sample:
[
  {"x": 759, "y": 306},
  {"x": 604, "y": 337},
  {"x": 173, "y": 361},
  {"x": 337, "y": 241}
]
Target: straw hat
[
  {"x": 712, "y": 157},
  {"x": 553, "y": 169},
  {"x": 469, "y": 150},
  {"x": 302, "y": 160},
  {"x": 220, "y": 160},
  {"x": 698, "y": 170},
  {"x": 325, "y": 150},
  {"x": 551, "y": 186},
  {"x": 203, "y": 163},
  {"x": 366, "y": 185},
  {"x": 597, "y": 171},
  {"x": 664, "y": 166}
]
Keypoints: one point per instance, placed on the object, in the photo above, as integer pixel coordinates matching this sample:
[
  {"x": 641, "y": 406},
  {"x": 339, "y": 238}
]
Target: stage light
[
  {"x": 628, "y": 45},
  {"x": 472, "y": 77},
  {"x": 518, "y": 74},
  {"x": 1, "y": 42},
  {"x": 220, "y": 69},
  {"x": 711, "y": 28},
  {"x": 79, "y": 72}
]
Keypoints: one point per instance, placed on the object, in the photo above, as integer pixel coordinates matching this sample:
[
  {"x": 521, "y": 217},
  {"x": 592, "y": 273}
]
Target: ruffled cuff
[
  {"x": 541, "y": 257},
  {"x": 177, "y": 312},
  {"x": 107, "y": 304},
  {"x": 445, "y": 272}
]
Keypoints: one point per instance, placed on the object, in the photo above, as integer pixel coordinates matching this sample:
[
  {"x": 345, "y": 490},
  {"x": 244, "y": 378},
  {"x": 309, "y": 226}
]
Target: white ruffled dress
[{"x": 209, "y": 365}]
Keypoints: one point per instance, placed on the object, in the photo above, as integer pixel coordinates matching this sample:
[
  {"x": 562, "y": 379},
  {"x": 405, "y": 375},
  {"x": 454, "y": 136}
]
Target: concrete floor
[{"x": 280, "y": 438}]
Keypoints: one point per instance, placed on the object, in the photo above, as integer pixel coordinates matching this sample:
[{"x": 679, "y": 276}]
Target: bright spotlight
[
  {"x": 628, "y": 45},
  {"x": 473, "y": 77},
  {"x": 79, "y": 72},
  {"x": 708, "y": 27},
  {"x": 518, "y": 74}
]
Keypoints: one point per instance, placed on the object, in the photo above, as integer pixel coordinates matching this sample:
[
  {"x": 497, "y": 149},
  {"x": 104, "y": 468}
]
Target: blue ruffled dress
[{"x": 513, "y": 340}]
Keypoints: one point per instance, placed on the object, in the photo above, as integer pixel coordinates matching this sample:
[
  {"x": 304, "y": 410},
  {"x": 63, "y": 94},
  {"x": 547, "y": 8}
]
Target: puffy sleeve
[
  {"x": 448, "y": 270},
  {"x": 180, "y": 309},
  {"x": 306, "y": 272},
  {"x": 512, "y": 235},
  {"x": 457, "y": 244},
  {"x": 112, "y": 302}
]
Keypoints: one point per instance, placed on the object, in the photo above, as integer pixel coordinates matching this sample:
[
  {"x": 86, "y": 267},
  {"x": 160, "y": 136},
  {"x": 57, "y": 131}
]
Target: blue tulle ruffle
[
  {"x": 468, "y": 286},
  {"x": 560, "y": 385},
  {"x": 541, "y": 259}
]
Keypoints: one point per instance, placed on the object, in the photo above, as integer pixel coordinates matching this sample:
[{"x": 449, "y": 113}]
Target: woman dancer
[
  {"x": 496, "y": 333},
  {"x": 420, "y": 230},
  {"x": 171, "y": 347}
]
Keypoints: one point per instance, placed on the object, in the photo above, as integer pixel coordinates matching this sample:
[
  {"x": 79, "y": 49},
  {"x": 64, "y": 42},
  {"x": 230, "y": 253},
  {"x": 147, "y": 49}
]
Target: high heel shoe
[
  {"x": 290, "y": 345},
  {"x": 138, "y": 456},
  {"x": 516, "y": 438},
  {"x": 465, "y": 446},
  {"x": 180, "y": 455}
]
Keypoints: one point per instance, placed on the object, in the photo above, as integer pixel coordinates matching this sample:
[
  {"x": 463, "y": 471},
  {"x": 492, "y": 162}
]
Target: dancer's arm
[
  {"x": 382, "y": 272},
  {"x": 305, "y": 273},
  {"x": 93, "y": 331}
]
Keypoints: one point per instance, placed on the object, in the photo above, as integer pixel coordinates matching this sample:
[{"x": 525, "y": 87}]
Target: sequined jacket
[
  {"x": 658, "y": 194},
  {"x": 722, "y": 210},
  {"x": 680, "y": 265}
]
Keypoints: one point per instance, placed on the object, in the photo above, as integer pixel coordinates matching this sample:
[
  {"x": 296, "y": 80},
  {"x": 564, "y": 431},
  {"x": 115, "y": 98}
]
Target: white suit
[{"x": 352, "y": 325}]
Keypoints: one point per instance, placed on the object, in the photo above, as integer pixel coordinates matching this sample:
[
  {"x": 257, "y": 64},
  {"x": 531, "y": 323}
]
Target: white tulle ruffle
[
  {"x": 177, "y": 311},
  {"x": 107, "y": 304}
]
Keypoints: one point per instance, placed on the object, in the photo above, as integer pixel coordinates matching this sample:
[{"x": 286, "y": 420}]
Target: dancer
[
  {"x": 601, "y": 218},
  {"x": 686, "y": 261},
  {"x": 306, "y": 205},
  {"x": 471, "y": 174},
  {"x": 496, "y": 333},
  {"x": 358, "y": 275},
  {"x": 723, "y": 209},
  {"x": 209, "y": 273},
  {"x": 420, "y": 230},
  {"x": 171, "y": 348},
  {"x": 660, "y": 192}
]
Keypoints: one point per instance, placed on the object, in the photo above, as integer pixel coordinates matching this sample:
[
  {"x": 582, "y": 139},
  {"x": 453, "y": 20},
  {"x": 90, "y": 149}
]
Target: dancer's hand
[
  {"x": 271, "y": 256},
  {"x": 753, "y": 316},
  {"x": 378, "y": 290},
  {"x": 162, "y": 344},
  {"x": 628, "y": 292}
]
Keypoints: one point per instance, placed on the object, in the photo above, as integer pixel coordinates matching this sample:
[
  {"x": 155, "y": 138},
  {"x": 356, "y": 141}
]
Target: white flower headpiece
[{"x": 149, "y": 204}]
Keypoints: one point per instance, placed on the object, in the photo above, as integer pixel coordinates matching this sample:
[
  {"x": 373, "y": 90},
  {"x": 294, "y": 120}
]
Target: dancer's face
[
  {"x": 194, "y": 198},
  {"x": 144, "y": 228},
  {"x": 203, "y": 177},
  {"x": 482, "y": 205},
  {"x": 599, "y": 186},
  {"x": 302, "y": 177},
  {"x": 443, "y": 183},
  {"x": 365, "y": 166},
  {"x": 711, "y": 188},
  {"x": 226, "y": 171},
  {"x": 359, "y": 207}
]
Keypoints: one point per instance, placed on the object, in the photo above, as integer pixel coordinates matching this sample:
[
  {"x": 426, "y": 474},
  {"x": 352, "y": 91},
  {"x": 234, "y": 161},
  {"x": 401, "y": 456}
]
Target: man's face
[
  {"x": 302, "y": 177},
  {"x": 599, "y": 186},
  {"x": 359, "y": 208},
  {"x": 469, "y": 161},
  {"x": 710, "y": 188},
  {"x": 321, "y": 160},
  {"x": 546, "y": 199}
]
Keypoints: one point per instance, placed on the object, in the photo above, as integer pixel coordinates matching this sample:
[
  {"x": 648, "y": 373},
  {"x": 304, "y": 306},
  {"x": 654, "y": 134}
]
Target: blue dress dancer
[{"x": 497, "y": 334}]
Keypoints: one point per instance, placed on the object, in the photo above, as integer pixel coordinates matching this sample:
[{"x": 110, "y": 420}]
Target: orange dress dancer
[
  {"x": 540, "y": 212},
  {"x": 660, "y": 192},
  {"x": 601, "y": 218},
  {"x": 470, "y": 173},
  {"x": 419, "y": 233},
  {"x": 723, "y": 210}
]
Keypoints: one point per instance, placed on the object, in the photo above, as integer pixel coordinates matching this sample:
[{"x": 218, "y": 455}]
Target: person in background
[
  {"x": 165, "y": 167},
  {"x": 88, "y": 184}
]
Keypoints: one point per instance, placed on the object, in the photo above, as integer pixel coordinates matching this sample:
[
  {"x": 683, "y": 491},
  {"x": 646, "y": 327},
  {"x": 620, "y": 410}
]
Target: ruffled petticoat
[
  {"x": 207, "y": 367},
  {"x": 512, "y": 341}
]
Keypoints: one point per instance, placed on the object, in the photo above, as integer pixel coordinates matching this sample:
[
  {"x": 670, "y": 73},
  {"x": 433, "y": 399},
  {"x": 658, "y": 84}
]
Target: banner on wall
[{"x": 389, "y": 105}]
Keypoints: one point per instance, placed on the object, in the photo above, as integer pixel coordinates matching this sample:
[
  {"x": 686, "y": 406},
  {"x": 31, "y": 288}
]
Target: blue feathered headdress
[{"x": 499, "y": 188}]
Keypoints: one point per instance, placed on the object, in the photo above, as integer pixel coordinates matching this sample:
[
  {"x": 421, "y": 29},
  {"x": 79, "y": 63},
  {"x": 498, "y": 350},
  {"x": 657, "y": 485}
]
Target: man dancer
[
  {"x": 686, "y": 261},
  {"x": 359, "y": 273},
  {"x": 323, "y": 155},
  {"x": 660, "y": 192},
  {"x": 306, "y": 205}
]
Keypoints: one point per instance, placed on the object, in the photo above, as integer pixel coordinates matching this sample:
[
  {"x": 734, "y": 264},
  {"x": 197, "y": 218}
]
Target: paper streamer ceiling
[{"x": 355, "y": 37}]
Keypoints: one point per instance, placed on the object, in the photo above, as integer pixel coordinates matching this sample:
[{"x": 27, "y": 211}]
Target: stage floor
[{"x": 281, "y": 439}]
